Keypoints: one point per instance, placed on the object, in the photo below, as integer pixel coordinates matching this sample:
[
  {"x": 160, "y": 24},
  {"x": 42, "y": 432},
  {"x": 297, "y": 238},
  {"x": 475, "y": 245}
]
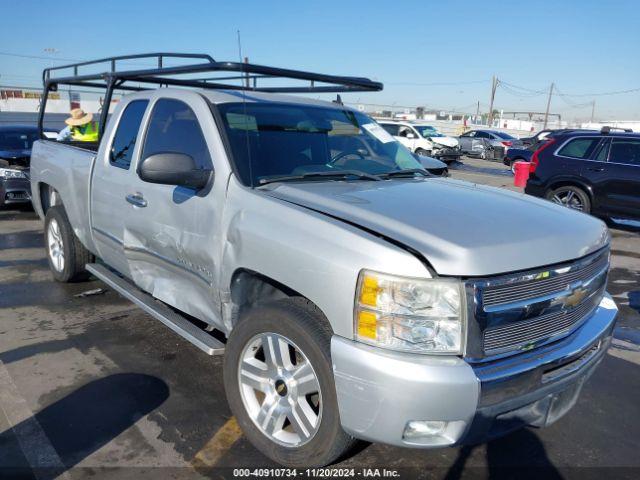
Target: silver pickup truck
[{"x": 353, "y": 295}]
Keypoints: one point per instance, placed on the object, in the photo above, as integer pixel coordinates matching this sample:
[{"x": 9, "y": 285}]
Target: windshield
[
  {"x": 17, "y": 140},
  {"x": 506, "y": 136},
  {"x": 427, "y": 131},
  {"x": 271, "y": 140}
]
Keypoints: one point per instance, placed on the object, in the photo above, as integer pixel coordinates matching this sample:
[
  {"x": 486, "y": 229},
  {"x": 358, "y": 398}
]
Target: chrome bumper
[{"x": 379, "y": 391}]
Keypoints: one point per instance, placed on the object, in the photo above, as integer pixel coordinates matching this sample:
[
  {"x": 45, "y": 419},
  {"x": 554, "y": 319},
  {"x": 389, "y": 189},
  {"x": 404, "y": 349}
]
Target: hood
[
  {"x": 445, "y": 141},
  {"x": 462, "y": 229}
]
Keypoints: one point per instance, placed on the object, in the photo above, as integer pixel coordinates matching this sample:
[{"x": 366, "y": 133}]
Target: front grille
[
  {"x": 535, "y": 329},
  {"x": 521, "y": 311},
  {"x": 503, "y": 294}
]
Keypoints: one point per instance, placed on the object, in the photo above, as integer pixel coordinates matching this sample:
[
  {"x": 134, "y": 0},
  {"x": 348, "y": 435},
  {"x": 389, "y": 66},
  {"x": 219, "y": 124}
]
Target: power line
[
  {"x": 39, "y": 57},
  {"x": 436, "y": 84},
  {"x": 525, "y": 89},
  {"x": 600, "y": 94},
  {"x": 616, "y": 92}
]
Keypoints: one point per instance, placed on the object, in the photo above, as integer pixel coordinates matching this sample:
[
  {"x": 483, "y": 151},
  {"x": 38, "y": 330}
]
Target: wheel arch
[
  {"x": 48, "y": 197},
  {"x": 249, "y": 288},
  {"x": 565, "y": 182}
]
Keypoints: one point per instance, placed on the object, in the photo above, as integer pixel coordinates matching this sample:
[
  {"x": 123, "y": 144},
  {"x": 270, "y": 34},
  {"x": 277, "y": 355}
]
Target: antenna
[{"x": 244, "y": 111}]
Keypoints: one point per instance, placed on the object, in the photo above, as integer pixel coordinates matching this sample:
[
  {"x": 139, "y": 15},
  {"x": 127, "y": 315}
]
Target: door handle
[
  {"x": 596, "y": 169},
  {"x": 136, "y": 199}
]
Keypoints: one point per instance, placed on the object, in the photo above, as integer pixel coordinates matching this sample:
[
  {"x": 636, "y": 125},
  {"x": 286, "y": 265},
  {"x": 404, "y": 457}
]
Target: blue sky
[{"x": 440, "y": 54}]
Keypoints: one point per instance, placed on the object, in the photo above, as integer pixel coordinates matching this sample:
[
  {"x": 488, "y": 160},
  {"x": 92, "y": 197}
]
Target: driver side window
[{"x": 174, "y": 128}]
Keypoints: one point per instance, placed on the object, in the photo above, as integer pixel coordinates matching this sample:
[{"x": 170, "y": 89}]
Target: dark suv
[{"x": 595, "y": 172}]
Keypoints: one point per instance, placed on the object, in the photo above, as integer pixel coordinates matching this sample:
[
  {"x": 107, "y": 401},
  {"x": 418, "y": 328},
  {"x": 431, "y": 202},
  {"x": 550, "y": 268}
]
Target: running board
[{"x": 176, "y": 322}]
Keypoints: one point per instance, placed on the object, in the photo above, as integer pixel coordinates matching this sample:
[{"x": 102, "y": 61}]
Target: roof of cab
[{"x": 235, "y": 96}]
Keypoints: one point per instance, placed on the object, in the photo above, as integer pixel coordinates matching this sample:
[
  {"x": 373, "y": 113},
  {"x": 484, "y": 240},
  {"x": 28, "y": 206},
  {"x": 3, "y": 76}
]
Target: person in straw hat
[{"x": 80, "y": 127}]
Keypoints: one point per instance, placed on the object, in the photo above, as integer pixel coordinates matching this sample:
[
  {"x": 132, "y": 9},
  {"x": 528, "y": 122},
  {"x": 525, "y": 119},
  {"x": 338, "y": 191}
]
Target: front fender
[{"x": 318, "y": 256}]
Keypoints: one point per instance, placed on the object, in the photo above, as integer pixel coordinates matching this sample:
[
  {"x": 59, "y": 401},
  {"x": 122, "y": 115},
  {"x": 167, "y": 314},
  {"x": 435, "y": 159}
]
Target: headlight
[
  {"x": 409, "y": 314},
  {"x": 11, "y": 173}
]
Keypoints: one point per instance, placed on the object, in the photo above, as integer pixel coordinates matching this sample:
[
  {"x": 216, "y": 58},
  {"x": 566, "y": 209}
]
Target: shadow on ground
[{"x": 84, "y": 421}]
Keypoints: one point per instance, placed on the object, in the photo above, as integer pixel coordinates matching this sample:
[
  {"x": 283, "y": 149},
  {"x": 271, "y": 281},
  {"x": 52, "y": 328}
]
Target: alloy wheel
[
  {"x": 280, "y": 389},
  {"x": 56, "y": 246},
  {"x": 568, "y": 198}
]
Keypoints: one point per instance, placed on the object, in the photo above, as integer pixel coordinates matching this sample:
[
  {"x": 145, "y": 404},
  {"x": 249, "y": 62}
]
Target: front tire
[
  {"x": 570, "y": 197},
  {"x": 279, "y": 384},
  {"x": 422, "y": 152},
  {"x": 67, "y": 257}
]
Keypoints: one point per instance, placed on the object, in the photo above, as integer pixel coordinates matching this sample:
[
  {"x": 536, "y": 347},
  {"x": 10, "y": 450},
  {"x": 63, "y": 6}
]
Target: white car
[{"x": 423, "y": 139}]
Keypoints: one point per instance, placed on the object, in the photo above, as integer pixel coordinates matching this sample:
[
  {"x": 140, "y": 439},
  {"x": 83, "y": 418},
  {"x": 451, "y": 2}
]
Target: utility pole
[
  {"x": 494, "y": 85},
  {"x": 593, "y": 110},
  {"x": 546, "y": 113},
  {"x": 478, "y": 110}
]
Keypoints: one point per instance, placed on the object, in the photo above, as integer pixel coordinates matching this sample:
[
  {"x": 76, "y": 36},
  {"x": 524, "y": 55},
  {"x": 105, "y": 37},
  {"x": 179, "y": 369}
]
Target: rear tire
[
  {"x": 295, "y": 423},
  {"x": 571, "y": 197},
  {"x": 67, "y": 257}
]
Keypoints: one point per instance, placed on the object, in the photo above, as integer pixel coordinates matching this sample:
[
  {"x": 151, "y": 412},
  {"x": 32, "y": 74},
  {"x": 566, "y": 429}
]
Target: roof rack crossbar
[{"x": 606, "y": 129}]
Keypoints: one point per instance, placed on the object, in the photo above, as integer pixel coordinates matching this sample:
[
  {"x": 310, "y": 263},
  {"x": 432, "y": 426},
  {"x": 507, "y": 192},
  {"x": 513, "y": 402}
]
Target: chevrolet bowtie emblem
[{"x": 575, "y": 298}]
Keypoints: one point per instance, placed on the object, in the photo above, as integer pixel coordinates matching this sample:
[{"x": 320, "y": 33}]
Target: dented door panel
[{"x": 172, "y": 243}]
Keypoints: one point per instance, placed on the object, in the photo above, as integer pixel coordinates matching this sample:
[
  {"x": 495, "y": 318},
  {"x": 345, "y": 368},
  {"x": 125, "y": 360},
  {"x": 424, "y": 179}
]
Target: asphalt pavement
[{"x": 91, "y": 386}]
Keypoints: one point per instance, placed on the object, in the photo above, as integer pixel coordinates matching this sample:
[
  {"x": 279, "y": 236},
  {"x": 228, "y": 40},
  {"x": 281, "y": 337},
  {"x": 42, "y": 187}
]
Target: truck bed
[{"x": 65, "y": 168}]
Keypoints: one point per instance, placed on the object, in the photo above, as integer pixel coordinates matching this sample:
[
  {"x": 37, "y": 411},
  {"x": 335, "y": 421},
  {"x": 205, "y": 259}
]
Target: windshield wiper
[
  {"x": 320, "y": 176},
  {"x": 411, "y": 172}
]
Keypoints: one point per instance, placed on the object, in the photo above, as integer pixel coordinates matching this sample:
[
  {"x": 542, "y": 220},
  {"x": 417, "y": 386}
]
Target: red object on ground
[{"x": 521, "y": 174}]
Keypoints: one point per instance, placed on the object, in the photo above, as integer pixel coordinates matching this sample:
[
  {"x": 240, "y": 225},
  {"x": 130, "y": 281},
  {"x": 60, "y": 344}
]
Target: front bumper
[
  {"x": 15, "y": 190},
  {"x": 379, "y": 391},
  {"x": 450, "y": 153}
]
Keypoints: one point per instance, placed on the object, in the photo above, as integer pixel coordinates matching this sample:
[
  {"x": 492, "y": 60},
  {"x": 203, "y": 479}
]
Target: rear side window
[
  {"x": 625, "y": 150},
  {"x": 392, "y": 129},
  {"x": 579, "y": 147},
  {"x": 124, "y": 140},
  {"x": 174, "y": 128},
  {"x": 506, "y": 136}
]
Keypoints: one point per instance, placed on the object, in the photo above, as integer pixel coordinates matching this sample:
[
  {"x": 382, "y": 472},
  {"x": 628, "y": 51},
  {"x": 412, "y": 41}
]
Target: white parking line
[{"x": 33, "y": 441}]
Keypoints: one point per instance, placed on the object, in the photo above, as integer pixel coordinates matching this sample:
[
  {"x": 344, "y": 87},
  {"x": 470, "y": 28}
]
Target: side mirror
[
  {"x": 173, "y": 169},
  {"x": 411, "y": 135}
]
